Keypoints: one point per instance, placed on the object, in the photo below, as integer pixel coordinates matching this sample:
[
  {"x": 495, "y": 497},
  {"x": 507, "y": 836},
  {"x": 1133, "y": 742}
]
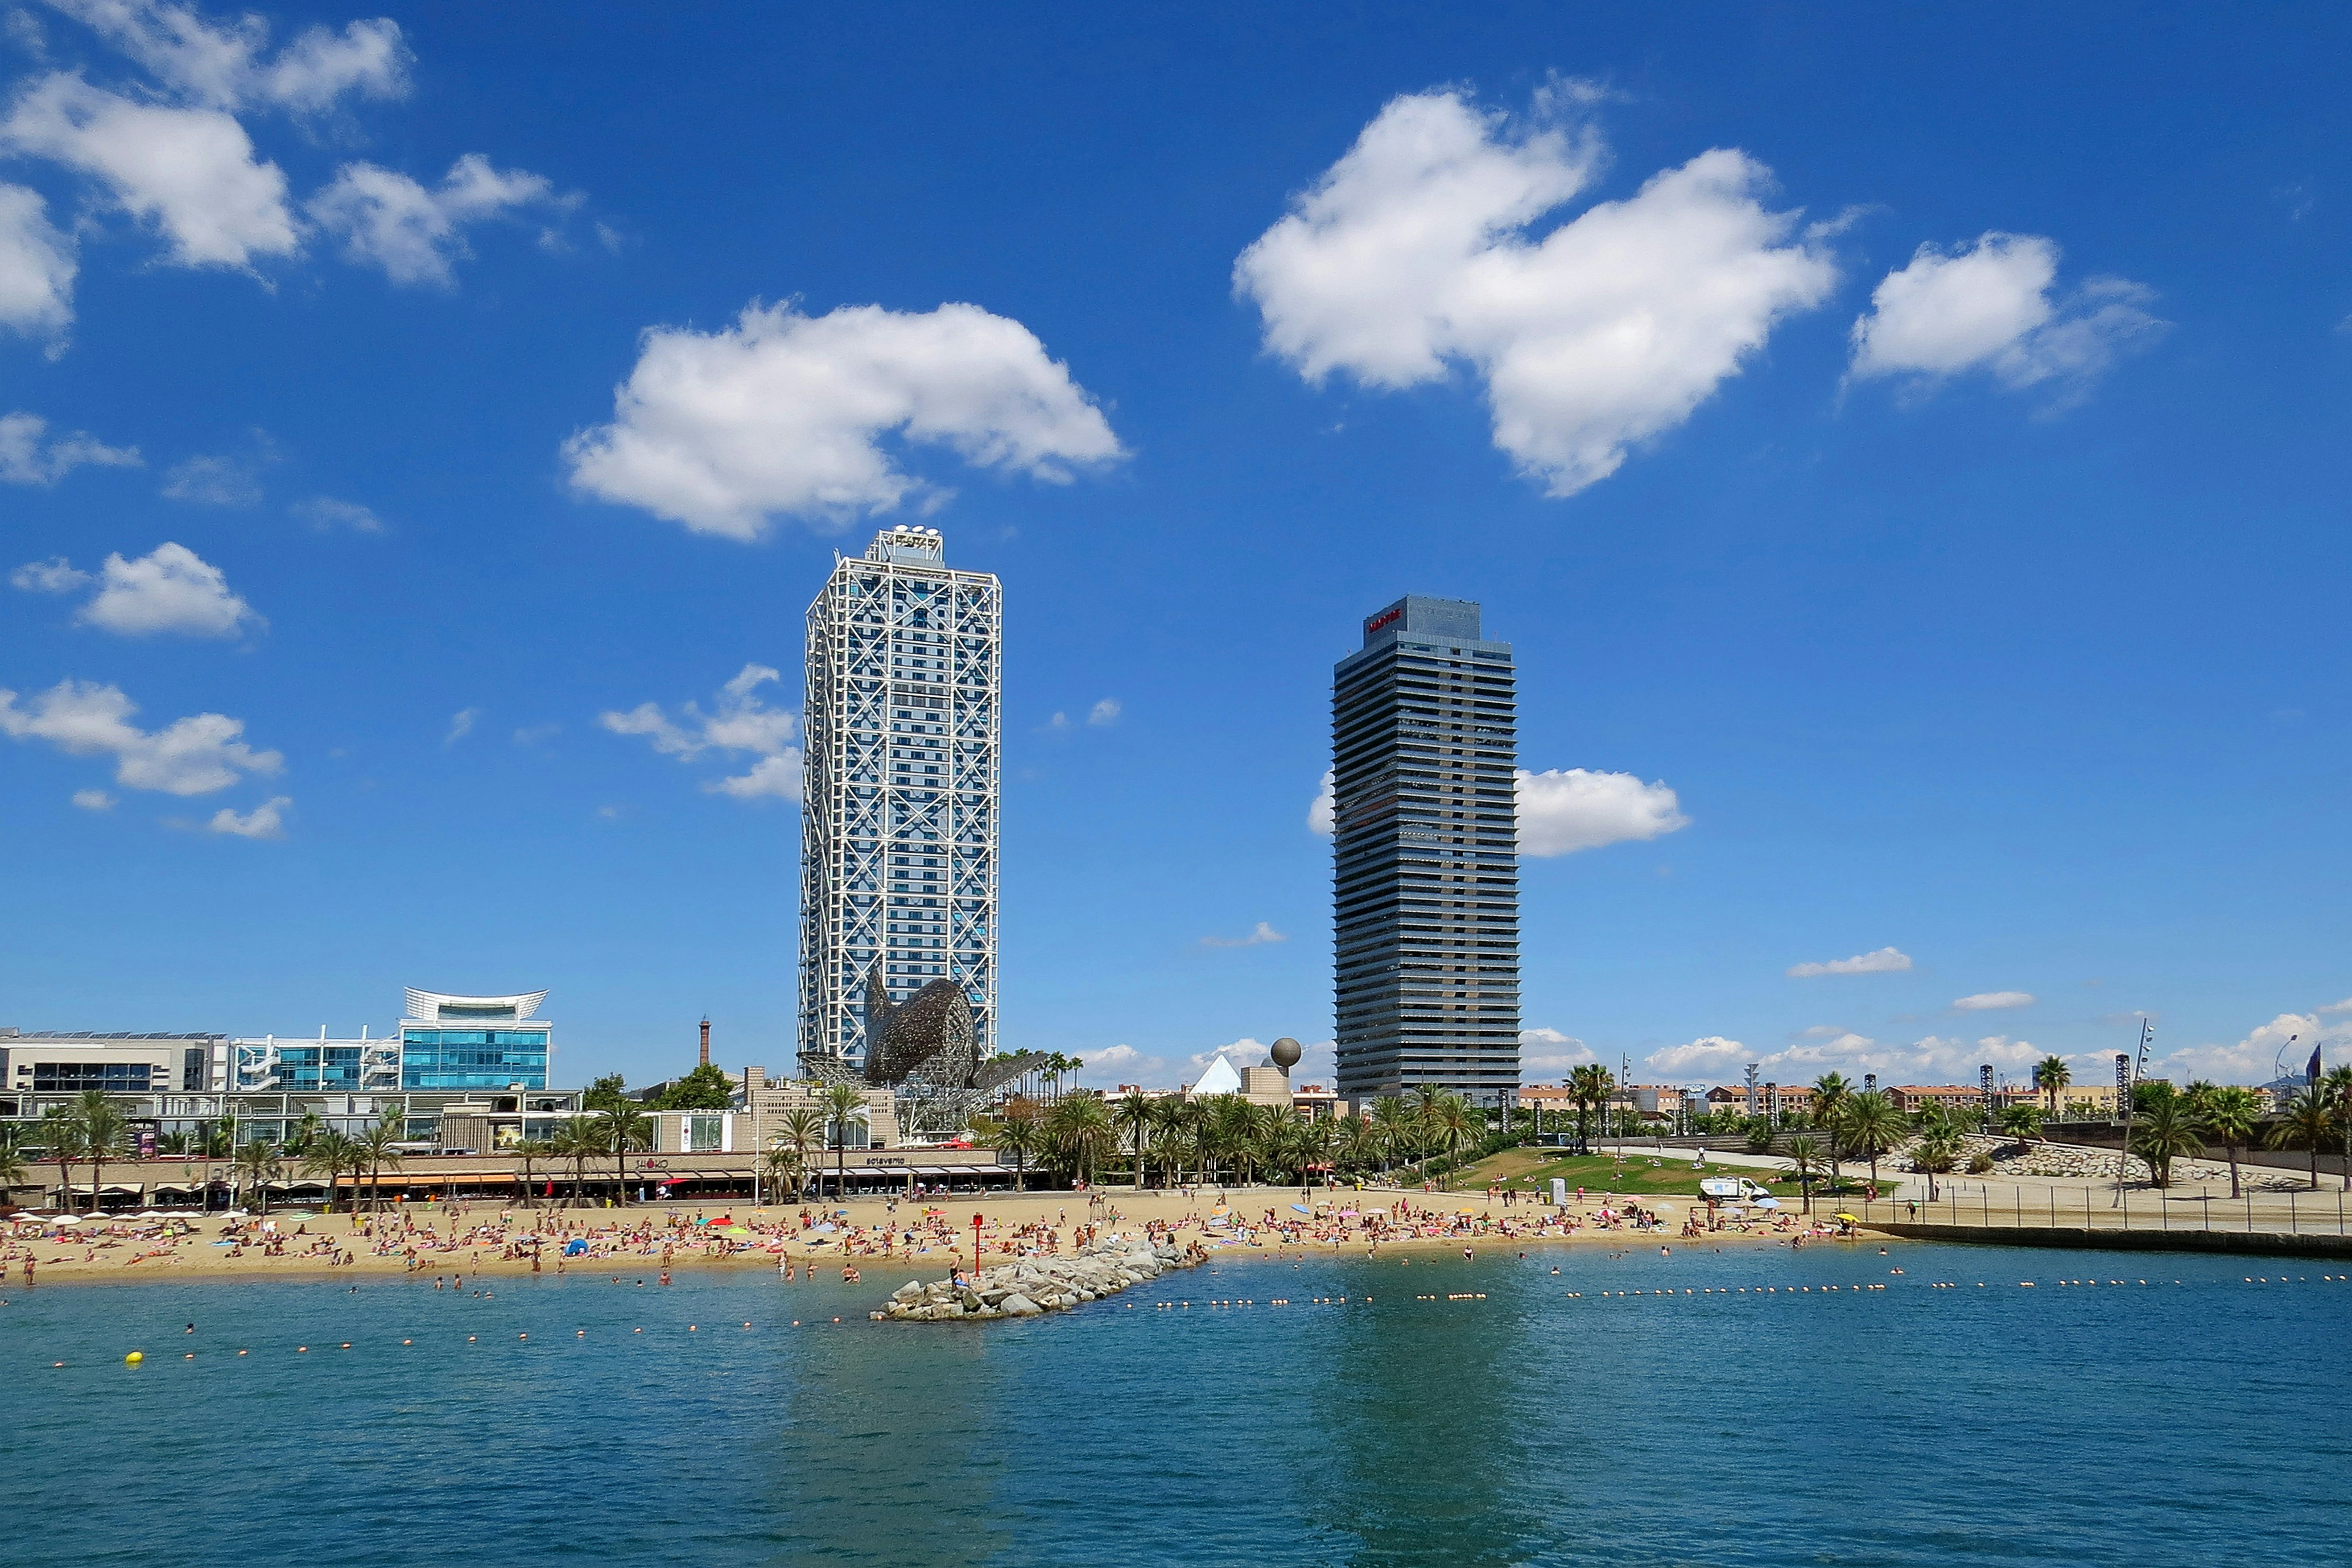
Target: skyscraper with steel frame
[
  {"x": 899, "y": 801},
  {"x": 1424, "y": 854}
]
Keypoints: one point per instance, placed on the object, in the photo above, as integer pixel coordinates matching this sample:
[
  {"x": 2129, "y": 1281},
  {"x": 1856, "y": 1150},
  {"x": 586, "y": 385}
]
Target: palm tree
[
  {"x": 103, "y": 1130},
  {"x": 2338, "y": 1085},
  {"x": 1171, "y": 1123},
  {"x": 2228, "y": 1115},
  {"x": 1805, "y": 1154},
  {"x": 375, "y": 1146},
  {"x": 1077, "y": 1130},
  {"x": 783, "y": 1162},
  {"x": 1452, "y": 1122},
  {"x": 1589, "y": 1086},
  {"x": 530, "y": 1150},
  {"x": 1831, "y": 1091},
  {"x": 297, "y": 1142},
  {"x": 1359, "y": 1145},
  {"x": 61, "y": 1141},
  {"x": 1278, "y": 1140},
  {"x": 576, "y": 1142},
  {"x": 2310, "y": 1118},
  {"x": 331, "y": 1153},
  {"x": 1391, "y": 1128},
  {"x": 2166, "y": 1130},
  {"x": 1939, "y": 1145},
  {"x": 2050, "y": 1074},
  {"x": 261, "y": 1159},
  {"x": 1017, "y": 1132},
  {"x": 1229, "y": 1136},
  {"x": 843, "y": 1102},
  {"x": 1132, "y": 1115},
  {"x": 1869, "y": 1126},
  {"x": 14, "y": 1172},
  {"x": 2023, "y": 1123},
  {"x": 801, "y": 1131},
  {"x": 619, "y": 1128}
]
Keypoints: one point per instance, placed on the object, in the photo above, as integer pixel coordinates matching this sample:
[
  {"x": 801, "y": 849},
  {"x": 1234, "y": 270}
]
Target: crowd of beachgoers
[{"x": 798, "y": 1240}]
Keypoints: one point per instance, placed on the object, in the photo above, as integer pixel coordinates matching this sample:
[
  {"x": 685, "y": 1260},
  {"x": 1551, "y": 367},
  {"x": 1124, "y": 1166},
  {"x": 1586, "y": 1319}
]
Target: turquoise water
[{"x": 2186, "y": 1423}]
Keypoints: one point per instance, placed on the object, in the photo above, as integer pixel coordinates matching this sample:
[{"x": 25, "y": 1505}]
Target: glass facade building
[
  {"x": 363, "y": 1066},
  {"x": 1425, "y": 884},
  {"x": 473, "y": 1042},
  {"x": 898, "y": 805}
]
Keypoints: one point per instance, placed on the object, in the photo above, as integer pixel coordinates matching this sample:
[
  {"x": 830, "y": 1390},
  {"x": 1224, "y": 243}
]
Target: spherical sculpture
[{"x": 1286, "y": 1053}]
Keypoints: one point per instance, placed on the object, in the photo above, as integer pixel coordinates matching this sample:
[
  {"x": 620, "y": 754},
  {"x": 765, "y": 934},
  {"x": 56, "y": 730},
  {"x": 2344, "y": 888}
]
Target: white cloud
[
  {"x": 190, "y": 174},
  {"x": 1931, "y": 1060},
  {"x": 784, "y": 414},
  {"x": 1416, "y": 251},
  {"x": 1562, "y": 812},
  {"x": 1709, "y": 1057},
  {"x": 1260, "y": 937},
  {"x": 28, "y": 457},
  {"x": 1106, "y": 711},
  {"x": 264, "y": 821},
  {"x": 213, "y": 482},
  {"x": 1990, "y": 306},
  {"x": 1242, "y": 1053},
  {"x": 534, "y": 734},
  {"x": 414, "y": 233},
  {"x": 1549, "y": 1051},
  {"x": 55, "y": 575},
  {"x": 774, "y": 778},
  {"x": 2284, "y": 1044},
  {"x": 36, "y": 267},
  {"x": 324, "y": 512},
  {"x": 1992, "y": 1001},
  {"x": 2343, "y": 1007},
  {"x": 737, "y": 722},
  {"x": 1115, "y": 1057},
  {"x": 93, "y": 800},
  {"x": 194, "y": 755},
  {"x": 1885, "y": 961},
  {"x": 461, "y": 724},
  {"x": 1319, "y": 810},
  {"x": 170, "y": 589},
  {"x": 226, "y": 67}
]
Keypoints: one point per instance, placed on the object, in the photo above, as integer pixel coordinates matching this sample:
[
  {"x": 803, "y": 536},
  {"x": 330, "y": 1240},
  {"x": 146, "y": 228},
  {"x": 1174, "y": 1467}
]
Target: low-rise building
[{"x": 66, "y": 1062}]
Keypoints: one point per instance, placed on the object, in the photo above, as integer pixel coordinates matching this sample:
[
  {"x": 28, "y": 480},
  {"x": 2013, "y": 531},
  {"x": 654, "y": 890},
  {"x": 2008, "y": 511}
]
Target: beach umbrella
[{"x": 1850, "y": 1219}]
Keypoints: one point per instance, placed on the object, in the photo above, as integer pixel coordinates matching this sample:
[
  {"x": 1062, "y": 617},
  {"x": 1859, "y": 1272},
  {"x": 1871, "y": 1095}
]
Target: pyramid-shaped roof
[{"x": 1220, "y": 1079}]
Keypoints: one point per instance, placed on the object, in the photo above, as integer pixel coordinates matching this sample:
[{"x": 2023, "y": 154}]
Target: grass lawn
[{"x": 1535, "y": 1168}]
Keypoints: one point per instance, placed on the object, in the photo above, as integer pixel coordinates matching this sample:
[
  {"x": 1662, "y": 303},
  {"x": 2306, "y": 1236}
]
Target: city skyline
[{"x": 1937, "y": 664}]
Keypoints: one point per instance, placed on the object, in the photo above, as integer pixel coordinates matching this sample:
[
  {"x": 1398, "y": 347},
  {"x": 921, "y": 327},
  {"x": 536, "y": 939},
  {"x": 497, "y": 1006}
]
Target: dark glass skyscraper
[{"x": 1424, "y": 850}]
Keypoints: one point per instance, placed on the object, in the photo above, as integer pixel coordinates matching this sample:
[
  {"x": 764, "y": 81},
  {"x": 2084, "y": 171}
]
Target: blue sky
[{"x": 1909, "y": 452}]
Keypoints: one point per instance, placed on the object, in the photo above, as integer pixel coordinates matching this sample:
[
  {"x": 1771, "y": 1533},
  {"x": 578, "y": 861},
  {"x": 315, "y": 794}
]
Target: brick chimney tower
[{"x": 706, "y": 1041}]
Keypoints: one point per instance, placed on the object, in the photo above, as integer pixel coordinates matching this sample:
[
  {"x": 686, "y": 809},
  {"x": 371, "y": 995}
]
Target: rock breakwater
[{"x": 1037, "y": 1285}]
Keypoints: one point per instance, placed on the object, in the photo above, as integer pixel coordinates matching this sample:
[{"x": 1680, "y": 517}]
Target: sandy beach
[{"x": 872, "y": 1234}]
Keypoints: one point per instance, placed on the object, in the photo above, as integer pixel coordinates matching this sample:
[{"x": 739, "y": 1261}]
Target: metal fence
[{"x": 2298, "y": 1212}]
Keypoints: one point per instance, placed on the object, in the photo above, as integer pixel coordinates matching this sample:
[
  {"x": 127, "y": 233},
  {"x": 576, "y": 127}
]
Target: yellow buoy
[{"x": 134, "y": 1358}]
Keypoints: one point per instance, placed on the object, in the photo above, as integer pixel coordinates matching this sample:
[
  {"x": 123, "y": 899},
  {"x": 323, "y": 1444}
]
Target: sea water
[{"x": 1481, "y": 1411}]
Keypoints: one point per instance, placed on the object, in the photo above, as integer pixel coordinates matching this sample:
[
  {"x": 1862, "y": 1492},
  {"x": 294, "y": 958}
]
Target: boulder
[{"x": 1019, "y": 1306}]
